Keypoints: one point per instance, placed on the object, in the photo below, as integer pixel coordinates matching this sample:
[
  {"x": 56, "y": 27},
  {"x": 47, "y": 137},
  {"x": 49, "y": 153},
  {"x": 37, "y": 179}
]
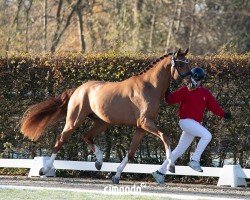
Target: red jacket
[{"x": 193, "y": 103}]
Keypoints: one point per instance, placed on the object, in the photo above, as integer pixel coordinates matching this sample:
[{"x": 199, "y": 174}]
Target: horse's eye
[
  {"x": 183, "y": 65},
  {"x": 180, "y": 64}
]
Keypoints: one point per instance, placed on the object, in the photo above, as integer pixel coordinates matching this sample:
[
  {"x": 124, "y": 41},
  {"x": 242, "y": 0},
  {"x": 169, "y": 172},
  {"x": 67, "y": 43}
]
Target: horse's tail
[{"x": 39, "y": 116}]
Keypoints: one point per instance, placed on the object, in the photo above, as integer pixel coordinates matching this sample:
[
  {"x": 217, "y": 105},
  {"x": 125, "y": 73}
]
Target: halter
[{"x": 173, "y": 63}]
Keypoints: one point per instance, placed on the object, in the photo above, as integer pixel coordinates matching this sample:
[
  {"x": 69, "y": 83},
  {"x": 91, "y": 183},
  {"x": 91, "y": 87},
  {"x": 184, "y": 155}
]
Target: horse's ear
[
  {"x": 186, "y": 52},
  {"x": 178, "y": 52}
]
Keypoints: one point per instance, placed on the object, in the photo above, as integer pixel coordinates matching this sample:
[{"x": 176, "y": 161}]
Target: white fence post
[
  {"x": 37, "y": 164},
  {"x": 232, "y": 175}
]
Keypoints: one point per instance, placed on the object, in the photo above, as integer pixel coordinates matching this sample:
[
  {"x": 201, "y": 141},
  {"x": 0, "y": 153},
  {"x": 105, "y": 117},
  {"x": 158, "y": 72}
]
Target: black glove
[
  {"x": 168, "y": 91},
  {"x": 227, "y": 115}
]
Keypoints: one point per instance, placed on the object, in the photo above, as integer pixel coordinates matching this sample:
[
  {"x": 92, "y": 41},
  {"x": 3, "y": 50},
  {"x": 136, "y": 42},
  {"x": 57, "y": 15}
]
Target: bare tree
[
  {"x": 79, "y": 12},
  {"x": 15, "y": 22},
  {"x": 136, "y": 32},
  {"x": 45, "y": 25},
  {"x": 171, "y": 25},
  {"x": 179, "y": 10},
  {"x": 59, "y": 29},
  {"x": 192, "y": 24},
  {"x": 56, "y": 37},
  {"x": 28, "y": 5},
  {"x": 152, "y": 25},
  {"x": 90, "y": 22}
]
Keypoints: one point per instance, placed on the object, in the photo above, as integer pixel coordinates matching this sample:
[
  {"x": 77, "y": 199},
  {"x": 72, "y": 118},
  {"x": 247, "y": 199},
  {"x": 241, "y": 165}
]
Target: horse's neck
[{"x": 160, "y": 75}]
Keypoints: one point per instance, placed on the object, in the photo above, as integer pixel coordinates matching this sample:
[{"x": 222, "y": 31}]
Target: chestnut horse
[{"x": 133, "y": 102}]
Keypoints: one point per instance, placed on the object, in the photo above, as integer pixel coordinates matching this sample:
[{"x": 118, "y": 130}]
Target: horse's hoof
[
  {"x": 115, "y": 180},
  {"x": 98, "y": 165},
  {"x": 41, "y": 172},
  {"x": 171, "y": 168}
]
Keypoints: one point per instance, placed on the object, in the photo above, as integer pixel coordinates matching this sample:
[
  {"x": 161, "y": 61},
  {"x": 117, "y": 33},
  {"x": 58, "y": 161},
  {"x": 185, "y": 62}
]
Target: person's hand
[
  {"x": 168, "y": 91},
  {"x": 227, "y": 115}
]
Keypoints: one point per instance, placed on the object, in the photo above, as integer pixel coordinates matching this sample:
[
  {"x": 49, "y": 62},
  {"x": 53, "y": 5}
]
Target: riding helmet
[{"x": 197, "y": 73}]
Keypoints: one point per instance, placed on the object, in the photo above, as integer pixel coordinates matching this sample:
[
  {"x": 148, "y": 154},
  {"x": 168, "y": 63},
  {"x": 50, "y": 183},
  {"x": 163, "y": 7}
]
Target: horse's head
[{"x": 180, "y": 65}]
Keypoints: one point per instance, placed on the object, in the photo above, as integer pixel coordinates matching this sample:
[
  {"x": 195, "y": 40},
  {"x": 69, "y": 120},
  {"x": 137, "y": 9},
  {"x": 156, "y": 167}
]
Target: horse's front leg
[
  {"x": 138, "y": 136},
  {"x": 149, "y": 125},
  {"x": 61, "y": 139}
]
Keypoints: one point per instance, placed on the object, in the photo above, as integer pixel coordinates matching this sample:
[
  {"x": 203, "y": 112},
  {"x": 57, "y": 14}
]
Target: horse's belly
[
  {"x": 115, "y": 112},
  {"x": 112, "y": 107}
]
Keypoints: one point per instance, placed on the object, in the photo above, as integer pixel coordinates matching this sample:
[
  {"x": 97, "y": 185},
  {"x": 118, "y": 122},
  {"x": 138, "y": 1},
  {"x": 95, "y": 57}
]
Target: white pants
[{"x": 190, "y": 130}]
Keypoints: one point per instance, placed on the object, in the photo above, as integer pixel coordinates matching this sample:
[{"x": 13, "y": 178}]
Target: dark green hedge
[{"x": 28, "y": 79}]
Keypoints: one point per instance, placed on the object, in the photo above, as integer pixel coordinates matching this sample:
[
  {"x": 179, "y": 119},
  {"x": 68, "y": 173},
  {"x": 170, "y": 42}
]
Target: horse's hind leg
[
  {"x": 62, "y": 138},
  {"x": 137, "y": 138},
  {"x": 98, "y": 127},
  {"x": 75, "y": 117}
]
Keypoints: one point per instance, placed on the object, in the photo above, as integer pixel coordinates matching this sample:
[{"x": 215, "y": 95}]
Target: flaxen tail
[{"x": 41, "y": 115}]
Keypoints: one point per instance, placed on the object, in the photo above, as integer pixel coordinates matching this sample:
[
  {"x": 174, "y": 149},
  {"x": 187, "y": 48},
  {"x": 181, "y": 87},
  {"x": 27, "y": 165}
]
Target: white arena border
[
  {"x": 229, "y": 175},
  {"x": 169, "y": 195}
]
